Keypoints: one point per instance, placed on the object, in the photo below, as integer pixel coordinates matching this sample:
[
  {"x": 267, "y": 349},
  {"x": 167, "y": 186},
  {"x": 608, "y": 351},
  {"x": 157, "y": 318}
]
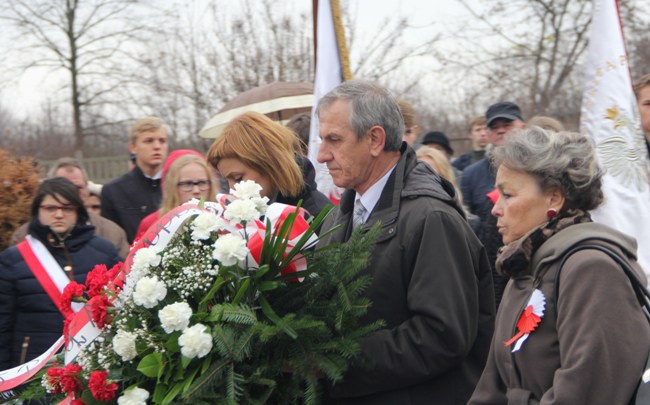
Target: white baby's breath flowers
[
  {"x": 230, "y": 249},
  {"x": 205, "y": 224},
  {"x": 240, "y": 211},
  {"x": 143, "y": 259},
  {"x": 124, "y": 345},
  {"x": 195, "y": 341},
  {"x": 212, "y": 271},
  {"x": 149, "y": 291},
  {"x": 175, "y": 316},
  {"x": 135, "y": 396},
  {"x": 45, "y": 382}
]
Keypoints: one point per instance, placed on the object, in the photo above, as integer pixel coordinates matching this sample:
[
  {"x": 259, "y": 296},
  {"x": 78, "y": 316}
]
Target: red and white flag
[
  {"x": 610, "y": 117},
  {"x": 330, "y": 62}
]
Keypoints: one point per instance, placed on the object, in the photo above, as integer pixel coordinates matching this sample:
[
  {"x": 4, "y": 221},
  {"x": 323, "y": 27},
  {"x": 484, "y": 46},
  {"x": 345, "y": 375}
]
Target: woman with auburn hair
[
  {"x": 253, "y": 147},
  {"x": 185, "y": 176},
  {"x": 570, "y": 329}
]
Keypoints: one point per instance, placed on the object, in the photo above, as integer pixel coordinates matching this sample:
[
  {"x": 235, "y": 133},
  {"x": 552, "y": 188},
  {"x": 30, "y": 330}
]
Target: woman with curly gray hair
[{"x": 575, "y": 336}]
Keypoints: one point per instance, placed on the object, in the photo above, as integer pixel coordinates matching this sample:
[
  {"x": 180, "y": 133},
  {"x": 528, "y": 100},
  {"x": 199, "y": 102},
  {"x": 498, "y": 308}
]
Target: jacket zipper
[{"x": 23, "y": 350}]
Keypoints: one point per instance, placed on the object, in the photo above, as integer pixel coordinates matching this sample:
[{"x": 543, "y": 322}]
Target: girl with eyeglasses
[
  {"x": 65, "y": 248},
  {"x": 185, "y": 176}
]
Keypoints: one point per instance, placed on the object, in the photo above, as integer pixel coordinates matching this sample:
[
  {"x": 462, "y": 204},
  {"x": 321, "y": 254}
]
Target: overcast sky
[{"x": 31, "y": 89}]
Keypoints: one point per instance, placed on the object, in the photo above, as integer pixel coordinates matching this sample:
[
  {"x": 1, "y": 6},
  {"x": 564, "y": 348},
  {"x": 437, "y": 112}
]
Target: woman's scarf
[{"x": 514, "y": 258}]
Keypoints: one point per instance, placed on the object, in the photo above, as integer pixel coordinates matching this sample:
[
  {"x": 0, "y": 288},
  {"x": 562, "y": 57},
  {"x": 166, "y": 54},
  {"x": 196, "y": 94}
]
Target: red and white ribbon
[
  {"x": 530, "y": 317},
  {"x": 15, "y": 376}
]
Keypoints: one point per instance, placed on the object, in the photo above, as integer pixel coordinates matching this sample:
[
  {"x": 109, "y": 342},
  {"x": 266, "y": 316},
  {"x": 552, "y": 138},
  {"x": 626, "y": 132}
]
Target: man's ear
[
  {"x": 377, "y": 138},
  {"x": 132, "y": 147}
]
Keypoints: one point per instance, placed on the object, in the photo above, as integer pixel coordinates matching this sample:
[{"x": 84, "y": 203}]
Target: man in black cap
[
  {"x": 438, "y": 140},
  {"x": 478, "y": 179}
]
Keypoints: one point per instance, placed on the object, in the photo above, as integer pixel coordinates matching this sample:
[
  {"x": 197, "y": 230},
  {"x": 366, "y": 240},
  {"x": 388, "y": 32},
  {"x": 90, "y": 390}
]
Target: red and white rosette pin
[{"x": 529, "y": 320}]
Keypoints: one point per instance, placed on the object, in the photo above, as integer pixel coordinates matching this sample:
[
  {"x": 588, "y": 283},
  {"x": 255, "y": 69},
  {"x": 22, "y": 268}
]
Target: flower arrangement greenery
[{"x": 232, "y": 310}]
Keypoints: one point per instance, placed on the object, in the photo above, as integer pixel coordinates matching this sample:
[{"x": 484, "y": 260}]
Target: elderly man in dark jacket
[{"x": 431, "y": 278}]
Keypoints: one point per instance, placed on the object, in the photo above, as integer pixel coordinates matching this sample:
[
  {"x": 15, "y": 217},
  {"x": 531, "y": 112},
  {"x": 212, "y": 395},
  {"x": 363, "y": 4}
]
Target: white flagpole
[
  {"x": 329, "y": 74},
  {"x": 610, "y": 117}
]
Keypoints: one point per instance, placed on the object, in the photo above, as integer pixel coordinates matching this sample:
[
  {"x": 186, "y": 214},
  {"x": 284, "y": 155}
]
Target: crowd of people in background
[{"x": 469, "y": 245}]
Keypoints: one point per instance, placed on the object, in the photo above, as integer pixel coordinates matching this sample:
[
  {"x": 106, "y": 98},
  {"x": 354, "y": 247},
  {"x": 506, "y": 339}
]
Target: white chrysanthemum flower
[
  {"x": 195, "y": 341},
  {"x": 175, "y": 316},
  {"x": 135, "y": 396},
  {"x": 149, "y": 291},
  {"x": 124, "y": 344},
  {"x": 239, "y": 211},
  {"x": 246, "y": 190},
  {"x": 229, "y": 249},
  {"x": 143, "y": 259},
  {"x": 261, "y": 203},
  {"x": 205, "y": 224}
]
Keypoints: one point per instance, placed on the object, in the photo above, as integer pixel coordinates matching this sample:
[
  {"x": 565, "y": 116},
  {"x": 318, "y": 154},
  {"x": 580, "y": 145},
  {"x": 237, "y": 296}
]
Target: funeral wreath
[{"x": 227, "y": 302}]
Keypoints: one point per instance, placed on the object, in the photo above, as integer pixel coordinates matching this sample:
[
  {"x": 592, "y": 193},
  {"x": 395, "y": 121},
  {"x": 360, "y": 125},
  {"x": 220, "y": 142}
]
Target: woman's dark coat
[{"x": 26, "y": 311}]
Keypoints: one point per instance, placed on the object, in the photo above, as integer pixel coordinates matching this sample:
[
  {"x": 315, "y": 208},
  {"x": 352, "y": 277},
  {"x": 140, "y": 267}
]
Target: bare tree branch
[{"x": 75, "y": 37}]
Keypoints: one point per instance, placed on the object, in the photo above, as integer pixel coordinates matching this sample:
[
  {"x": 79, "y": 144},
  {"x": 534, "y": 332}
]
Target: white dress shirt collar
[{"x": 370, "y": 198}]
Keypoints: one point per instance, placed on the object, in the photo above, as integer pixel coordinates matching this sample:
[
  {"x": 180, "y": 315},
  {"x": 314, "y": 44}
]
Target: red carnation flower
[
  {"x": 72, "y": 290},
  {"x": 97, "y": 279},
  {"x": 99, "y": 306},
  {"x": 77, "y": 401},
  {"x": 54, "y": 379},
  {"x": 70, "y": 378},
  {"x": 100, "y": 390}
]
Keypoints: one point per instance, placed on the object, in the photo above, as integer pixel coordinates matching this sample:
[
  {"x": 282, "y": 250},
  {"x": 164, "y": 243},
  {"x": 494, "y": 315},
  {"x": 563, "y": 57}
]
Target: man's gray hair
[
  {"x": 66, "y": 162},
  {"x": 370, "y": 105},
  {"x": 558, "y": 160}
]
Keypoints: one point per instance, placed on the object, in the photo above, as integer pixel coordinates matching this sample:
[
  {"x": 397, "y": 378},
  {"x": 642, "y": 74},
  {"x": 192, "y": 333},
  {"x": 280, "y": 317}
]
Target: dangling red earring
[{"x": 551, "y": 213}]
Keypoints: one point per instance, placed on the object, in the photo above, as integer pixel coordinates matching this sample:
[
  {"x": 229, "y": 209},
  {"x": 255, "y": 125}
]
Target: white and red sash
[
  {"x": 46, "y": 270},
  {"x": 53, "y": 280}
]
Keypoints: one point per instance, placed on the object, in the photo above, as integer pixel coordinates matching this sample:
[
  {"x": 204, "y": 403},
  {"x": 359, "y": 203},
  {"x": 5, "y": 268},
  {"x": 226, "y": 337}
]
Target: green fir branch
[{"x": 205, "y": 380}]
